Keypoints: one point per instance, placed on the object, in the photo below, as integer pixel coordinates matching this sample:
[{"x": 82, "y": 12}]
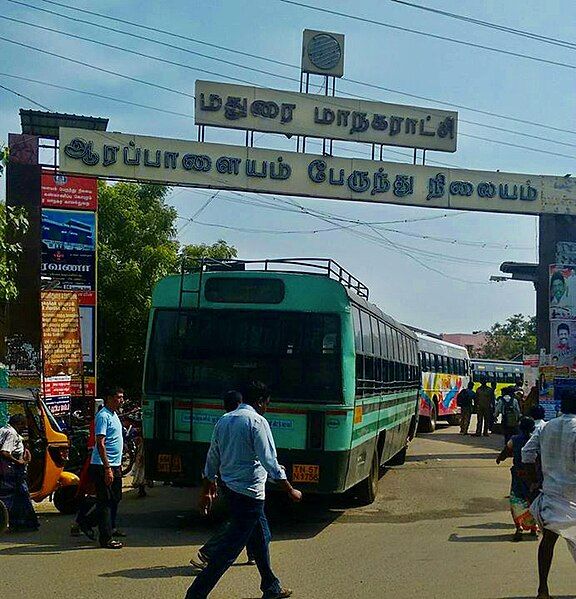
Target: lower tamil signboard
[
  {"x": 217, "y": 166},
  {"x": 61, "y": 346}
]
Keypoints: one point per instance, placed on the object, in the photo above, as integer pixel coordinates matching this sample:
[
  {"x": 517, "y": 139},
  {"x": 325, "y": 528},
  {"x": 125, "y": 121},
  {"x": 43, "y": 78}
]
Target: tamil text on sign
[
  {"x": 216, "y": 166},
  {"x": 292, "y": 113}
]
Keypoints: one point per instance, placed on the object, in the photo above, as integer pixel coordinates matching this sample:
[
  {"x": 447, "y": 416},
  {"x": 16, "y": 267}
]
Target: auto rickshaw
[{"x": 48, "y": 446}]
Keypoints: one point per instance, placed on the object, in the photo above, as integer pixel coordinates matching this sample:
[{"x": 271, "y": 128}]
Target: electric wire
[
  {"x": 428, "y": 34},
  {"x": 489, "y": 25},
  {"x": 286, "y": 64},
  {"x": 12, "y": 91}
]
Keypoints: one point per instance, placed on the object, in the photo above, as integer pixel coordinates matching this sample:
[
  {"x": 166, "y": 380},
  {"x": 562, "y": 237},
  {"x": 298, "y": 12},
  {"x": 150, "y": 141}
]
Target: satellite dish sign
[{"x": 323, "y": 53}]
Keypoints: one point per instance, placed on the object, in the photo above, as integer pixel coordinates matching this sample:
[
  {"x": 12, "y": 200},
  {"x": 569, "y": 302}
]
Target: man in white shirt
[
  {"x": 243, "y": 455},
  {"x": 555, "y": 507}
]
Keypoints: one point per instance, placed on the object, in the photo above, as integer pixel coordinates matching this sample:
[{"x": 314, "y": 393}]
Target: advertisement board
[
  {"x": 56, "y": 391},
  {"x": 61, "y": 346},
  {"x": 562, "y": 289},
  {"x": 74, "y": 193},
  {"x": 68, "y": 249},
  {"x": 218, "y": 166},
  {"x": 291, "y": 113}
]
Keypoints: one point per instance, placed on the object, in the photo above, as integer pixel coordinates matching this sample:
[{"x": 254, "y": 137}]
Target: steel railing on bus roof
[{"x": 318, "y": 266}]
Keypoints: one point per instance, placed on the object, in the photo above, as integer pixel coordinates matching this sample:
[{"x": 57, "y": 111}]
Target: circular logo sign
[{"x": 324, "y": 51}]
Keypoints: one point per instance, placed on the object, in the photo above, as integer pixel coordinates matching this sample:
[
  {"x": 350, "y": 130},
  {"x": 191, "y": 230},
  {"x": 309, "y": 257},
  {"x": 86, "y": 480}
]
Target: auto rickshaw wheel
[
  {"x": 3, "y": 517},
  {"x": 67, "y": 499}
]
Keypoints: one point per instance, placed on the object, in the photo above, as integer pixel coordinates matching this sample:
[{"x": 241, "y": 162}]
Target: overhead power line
[
  {"x": 282, "y": 63},
  {"x": 430, "y": 35},
  {"x": 96, "y": 68},
  {"x": 25, "y": 97},
  {"x": 503, "y": 28},
  {"x": 96, "y": 95},
  {"x": 187, "y": 66}
]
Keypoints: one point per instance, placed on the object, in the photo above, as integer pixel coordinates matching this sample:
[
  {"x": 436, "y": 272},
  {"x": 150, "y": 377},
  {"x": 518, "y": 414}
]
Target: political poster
[
  {"x": 562, "y": 292},
  {"x": 563, "y": 343}
]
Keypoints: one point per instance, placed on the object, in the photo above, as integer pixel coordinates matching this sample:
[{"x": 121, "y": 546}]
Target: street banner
[
  {"x": 218, "y": 166},
  {"x": 291, "y": 113},
  {"x": 547, "y": 396},
  {"x": 63, "y": 191},
  {"x": 68, "y": 249},
  {"x": 61, "y": 345},
  {"x": 562, "y": 292}
]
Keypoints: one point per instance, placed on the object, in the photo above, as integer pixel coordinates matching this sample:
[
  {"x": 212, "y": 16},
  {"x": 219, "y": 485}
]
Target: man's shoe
[
  {"x": 281, "y": 593},
  {"x": 112, "y": 545},
  {"x": 199, "y": 562},
  {"x": 118, "y": 534}
]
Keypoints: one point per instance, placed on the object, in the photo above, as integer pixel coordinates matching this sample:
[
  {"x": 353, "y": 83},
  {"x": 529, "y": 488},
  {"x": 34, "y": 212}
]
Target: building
[{"x": 473, "y": 342}]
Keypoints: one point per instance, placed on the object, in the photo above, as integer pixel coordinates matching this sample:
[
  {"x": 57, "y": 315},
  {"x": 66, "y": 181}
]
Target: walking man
[
  {"x": 106, "y": 468},
  {"x": 465, "y": 402},
  {"x": 509, "y": 408},
  {"x": 242, "y": 453},
  {"x": 484, "y": 400},
  {"x": 555, "y": 507}
]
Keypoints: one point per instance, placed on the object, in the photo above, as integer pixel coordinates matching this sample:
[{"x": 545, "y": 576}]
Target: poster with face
[
  {"x": 563, "y": 342},
  {"x": 562, "y": 290}
]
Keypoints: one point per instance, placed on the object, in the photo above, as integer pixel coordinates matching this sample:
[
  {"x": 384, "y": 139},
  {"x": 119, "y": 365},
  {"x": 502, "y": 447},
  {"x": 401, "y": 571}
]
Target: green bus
[{"x": 344, "y": 376}]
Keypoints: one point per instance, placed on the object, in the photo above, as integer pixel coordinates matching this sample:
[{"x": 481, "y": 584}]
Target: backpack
[{"x": 509, "y": 415}]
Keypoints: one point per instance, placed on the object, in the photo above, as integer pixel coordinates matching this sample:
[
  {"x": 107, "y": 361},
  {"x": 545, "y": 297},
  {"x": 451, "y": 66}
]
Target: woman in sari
[
  {"x": 13, "y": 485},
  {"x": 521, "y": 489}
]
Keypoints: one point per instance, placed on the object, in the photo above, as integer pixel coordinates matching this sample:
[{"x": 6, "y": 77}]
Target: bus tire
[
  {"x": 429, "y": 424},
  {"x": 67, "y": 499},
  {"x": 3, "y": 517},
  {"x": 399, "y": 458},
  {"x": 368, "y": 488}
]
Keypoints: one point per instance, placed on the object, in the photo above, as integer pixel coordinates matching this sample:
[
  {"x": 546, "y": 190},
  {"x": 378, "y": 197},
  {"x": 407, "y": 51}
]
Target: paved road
[{"x": 439, "y": 529}]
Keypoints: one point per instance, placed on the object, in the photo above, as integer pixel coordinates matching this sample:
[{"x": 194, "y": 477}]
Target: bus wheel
[
  {"x": 368, "y": 488},
  {"x": 3, "y": 517},
  {"x": 399, "y": 458},
  {"x": 429, "y": 424},
  {"x": 67, "y": 499}
]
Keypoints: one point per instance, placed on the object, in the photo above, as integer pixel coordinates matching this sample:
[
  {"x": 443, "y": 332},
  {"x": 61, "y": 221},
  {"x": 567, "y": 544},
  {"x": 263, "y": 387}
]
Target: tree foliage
[
  {"x": 137, "y": 246},
  {"x": 507, "y": 340},
  {"x": 13, "y": 226}
]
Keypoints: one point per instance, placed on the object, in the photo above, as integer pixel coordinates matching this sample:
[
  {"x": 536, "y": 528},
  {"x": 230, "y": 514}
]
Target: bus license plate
[{"x": 305, "y": 473}]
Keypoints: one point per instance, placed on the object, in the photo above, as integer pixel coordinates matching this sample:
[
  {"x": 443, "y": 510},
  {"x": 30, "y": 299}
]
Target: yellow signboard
[
  {"x": 292, "y": 113},
  {"x": 218, "y": 166}
]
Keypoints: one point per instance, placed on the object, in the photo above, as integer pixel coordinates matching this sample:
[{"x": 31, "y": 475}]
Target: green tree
[
  {"x": 192, "y": 254},
  {"x": 13, "y": 226},
  {"x": 137, "y": 246},
  {"x": 507, "y": 340}
]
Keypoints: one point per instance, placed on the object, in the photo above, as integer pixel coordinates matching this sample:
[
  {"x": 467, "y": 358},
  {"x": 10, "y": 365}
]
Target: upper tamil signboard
[
  {"x": 218, "y": 166},
  {"x": 292, "y": 113}
]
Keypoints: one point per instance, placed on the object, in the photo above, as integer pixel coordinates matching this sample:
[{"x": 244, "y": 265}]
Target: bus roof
[{"x": 441, "y": 347}]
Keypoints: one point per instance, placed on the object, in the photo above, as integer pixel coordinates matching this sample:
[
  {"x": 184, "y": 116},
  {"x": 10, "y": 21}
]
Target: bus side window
[
  {"x": 382, "y": 335},
  {"x": 423, "y": 361},
  {"x": 357, "y": 329},
  {"x": 375, "y": 337},
  {"x": 366, "y": 333}
]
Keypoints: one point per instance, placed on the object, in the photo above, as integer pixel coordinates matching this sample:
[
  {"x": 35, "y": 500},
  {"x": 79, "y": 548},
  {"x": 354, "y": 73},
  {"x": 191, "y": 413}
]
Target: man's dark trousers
[
  {"x": 107, "y": 499},
  {"x": 247, "y": 519}
]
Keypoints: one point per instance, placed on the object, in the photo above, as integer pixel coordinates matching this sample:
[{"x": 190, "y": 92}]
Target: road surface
[{"x": 440, "y": 528}]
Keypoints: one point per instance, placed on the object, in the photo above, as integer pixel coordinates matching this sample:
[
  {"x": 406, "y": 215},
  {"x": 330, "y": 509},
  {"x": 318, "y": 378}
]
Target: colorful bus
[
  {"x": 445, "y": 371},
  {"x": 344, "y": 376},
  {"x": 505, "y": 374}
]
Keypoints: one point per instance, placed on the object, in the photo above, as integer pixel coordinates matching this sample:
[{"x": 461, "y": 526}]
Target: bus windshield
[{"x": 204, "y": 353}]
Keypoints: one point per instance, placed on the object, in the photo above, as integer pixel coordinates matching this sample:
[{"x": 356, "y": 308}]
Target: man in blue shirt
[
  {"x": 106, "y": 467},
  {"x": 243, "y": 455}
]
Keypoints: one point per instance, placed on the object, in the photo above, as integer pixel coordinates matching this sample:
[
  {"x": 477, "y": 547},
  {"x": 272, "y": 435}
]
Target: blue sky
[{"x": 447, "y": 289}]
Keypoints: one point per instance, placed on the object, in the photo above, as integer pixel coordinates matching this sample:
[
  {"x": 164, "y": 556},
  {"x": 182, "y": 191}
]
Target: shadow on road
[
  {"x": 489, "y": 526},
  {"x": 456, "y": 538},
  {"x": 153, "y": 572},
  {"x": 455, "y": 456}
]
